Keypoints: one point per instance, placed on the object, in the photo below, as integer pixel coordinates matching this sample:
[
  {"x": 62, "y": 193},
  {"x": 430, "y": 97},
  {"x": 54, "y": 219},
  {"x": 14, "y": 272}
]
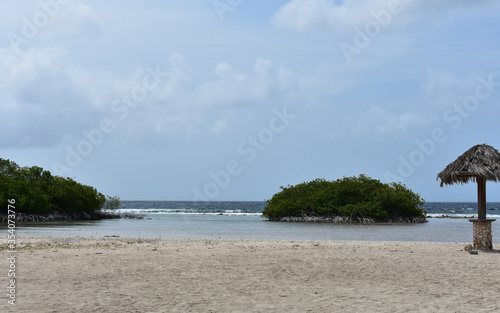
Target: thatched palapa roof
[{"x": 481, "y": 160}]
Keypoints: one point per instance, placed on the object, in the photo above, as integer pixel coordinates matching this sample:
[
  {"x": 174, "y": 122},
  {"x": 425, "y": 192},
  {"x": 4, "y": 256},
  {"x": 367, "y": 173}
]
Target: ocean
[{"x": 243, "y": 220}]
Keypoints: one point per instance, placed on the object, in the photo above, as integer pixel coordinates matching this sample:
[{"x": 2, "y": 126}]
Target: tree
[
  {"x": 112, "y": 203},
  {"x": 355, "y": 198},
  {"x": 36, "y": 191}
]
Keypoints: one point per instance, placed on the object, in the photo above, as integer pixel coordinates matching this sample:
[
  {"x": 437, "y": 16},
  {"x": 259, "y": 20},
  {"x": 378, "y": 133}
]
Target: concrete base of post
[{"x": 483, "y": 239}]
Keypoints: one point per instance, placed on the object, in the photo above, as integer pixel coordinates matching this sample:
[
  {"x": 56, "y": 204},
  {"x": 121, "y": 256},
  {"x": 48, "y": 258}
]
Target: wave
[
  {"x": 461, "y": 215},
  {"x": 255, "y": 208},
  {"x": 240, "y": 213},
  {"x": 185, "y": 212}
]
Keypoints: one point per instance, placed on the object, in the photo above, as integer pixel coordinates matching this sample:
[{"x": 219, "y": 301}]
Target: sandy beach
[{"x": 167, "y": 275}]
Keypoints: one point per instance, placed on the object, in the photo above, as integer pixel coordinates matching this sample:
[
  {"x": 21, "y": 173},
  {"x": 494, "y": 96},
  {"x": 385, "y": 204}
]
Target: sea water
[{"x": 243, "y": 220}]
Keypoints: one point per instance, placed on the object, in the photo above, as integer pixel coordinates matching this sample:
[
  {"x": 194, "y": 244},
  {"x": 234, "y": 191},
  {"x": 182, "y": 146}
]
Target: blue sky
[{"x": 228, "y": 100}]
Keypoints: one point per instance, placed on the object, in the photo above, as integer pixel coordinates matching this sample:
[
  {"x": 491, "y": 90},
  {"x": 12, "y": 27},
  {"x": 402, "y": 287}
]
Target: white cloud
[
  {"x": 75, "y": 19},
  {"x": 185, "y": 109},
  {"x": 380, "y": 123},
  {"x": 219, "y": 126},
  {"x": 48, "y": 99},
  {"x": 41, "y": 97},
  {"x": 442, "y": 88},
  {"x": 441, "y": 91},
  {"x": 302, "y": 15},
  {"x": 236, "y": 89},
  {"x": 50, "y": 21},
  {"x": 170, "y": 90}
]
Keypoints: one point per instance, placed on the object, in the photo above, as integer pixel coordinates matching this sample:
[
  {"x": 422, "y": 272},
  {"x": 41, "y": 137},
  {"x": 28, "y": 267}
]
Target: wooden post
[{"x": 481, "y": 198}]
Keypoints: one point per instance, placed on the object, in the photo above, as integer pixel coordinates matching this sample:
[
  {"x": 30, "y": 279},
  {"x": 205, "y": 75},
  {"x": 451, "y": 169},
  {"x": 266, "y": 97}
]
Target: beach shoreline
[{"x": 113, "y": 274}]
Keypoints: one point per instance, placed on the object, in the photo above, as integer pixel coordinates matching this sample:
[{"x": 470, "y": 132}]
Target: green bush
[
  {"x": 351, "y": 197},
  {"x": 36, "y": 191},
  {"x": 112, "y": 203}
]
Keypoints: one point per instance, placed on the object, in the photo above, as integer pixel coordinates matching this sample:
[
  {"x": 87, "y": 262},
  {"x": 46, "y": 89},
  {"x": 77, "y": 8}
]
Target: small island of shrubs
[
  {"x": 40, "y": 196},
  {"x": 348, "y": 200}
]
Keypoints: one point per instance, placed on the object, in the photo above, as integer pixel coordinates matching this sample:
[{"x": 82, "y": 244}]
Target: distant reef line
[{"x": 450, "y": 216}]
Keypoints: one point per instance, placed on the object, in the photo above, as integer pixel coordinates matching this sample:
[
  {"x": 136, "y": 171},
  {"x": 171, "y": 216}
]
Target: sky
[{"x": 227, "y": 100}]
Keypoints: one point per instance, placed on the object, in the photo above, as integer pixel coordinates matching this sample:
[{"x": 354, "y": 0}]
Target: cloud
[
  {"x": 237, "y": 89},
  {"x": 41, "y": 97},
  {"x": 219, "y": 126},
  {"x": 443, "y": 89},
  {"x": 377, "y": 122},
  {"x": 47, "y": 21},
  {"x": 194, "y": 106},
  {"x": 301, "y": 15},
  {"x": 76, "y": 19},
  {"x": 304, "y": 15},
  {"x": 48, "y": 99}
]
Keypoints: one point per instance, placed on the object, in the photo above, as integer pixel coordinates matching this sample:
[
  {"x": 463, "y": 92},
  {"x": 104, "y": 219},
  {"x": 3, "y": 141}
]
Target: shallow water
[
  {"x": 242, "y": 220},
  {"x": 255, "y": 227}
]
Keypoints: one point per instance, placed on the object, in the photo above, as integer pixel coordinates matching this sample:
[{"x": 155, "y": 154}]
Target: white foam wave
[
  {"x": 461, "y": 215},
  {"x": 183, "y": 212}
]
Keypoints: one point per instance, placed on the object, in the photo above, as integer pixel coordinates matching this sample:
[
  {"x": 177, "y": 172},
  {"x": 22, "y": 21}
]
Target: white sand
[{"x": 133, "y": 275}]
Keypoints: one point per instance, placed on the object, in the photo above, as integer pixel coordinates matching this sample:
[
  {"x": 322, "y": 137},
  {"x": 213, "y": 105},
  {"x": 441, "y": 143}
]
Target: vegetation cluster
[
  {"x": 350, "y": 199},
  {"x": 39, "y": 194}
]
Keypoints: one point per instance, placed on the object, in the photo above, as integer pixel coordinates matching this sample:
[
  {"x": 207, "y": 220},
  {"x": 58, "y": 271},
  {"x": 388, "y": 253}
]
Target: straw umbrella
[{"x": 480, "y": 163}]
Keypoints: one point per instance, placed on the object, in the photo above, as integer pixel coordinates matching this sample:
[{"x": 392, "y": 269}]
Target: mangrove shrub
[
  {"x": 349, "y": 199},
  {"x": 37, "y": 191}
]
